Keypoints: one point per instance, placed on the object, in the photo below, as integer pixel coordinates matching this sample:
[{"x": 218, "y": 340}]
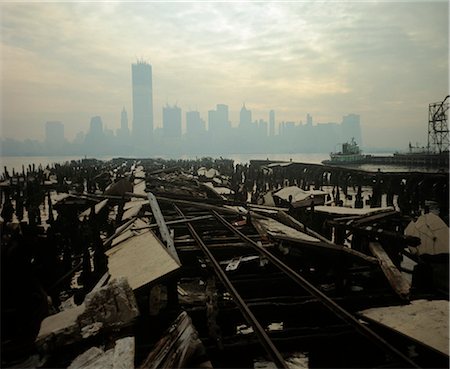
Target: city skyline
[
  {"x": 249, "y": 137},
  {"x": 69, "y": 62}
]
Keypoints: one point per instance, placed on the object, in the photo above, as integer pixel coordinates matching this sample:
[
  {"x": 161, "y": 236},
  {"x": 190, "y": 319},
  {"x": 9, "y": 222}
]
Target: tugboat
[{"x": 350, "y": 154}]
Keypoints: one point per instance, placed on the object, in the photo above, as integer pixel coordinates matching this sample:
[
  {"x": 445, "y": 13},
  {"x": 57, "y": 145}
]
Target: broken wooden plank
[
  {"x": 163, "y": 230},
  {"x": 196, "y": 204},
  {"x": 395, "y": 278},
  {"x": 141, "y": 259},
  {"x": 300, "y": 198},
  {"x": 277, "y": 229},
  {"x": 139, "y": 188},
  {"x": 121, "y": 356},
  {"x": 422, "y": 320},
  {"x": 375, "y": 217},
  {"x": 340, "y": 210},
  {"x": 118, "y": 231},
  {"x": 400, "y": 239},
  {"x": 112, "y": 306},
  {"x": 290, "y": 221},
  {"x": 178, "y": 221},
  {"x": 176, "y": 347},
  {"x": 281, "y": 231},
  {"x": 97, "y": 208}
]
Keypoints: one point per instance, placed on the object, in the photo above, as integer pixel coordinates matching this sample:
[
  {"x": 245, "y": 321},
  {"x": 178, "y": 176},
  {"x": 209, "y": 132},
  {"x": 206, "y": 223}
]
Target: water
[{"x": 16, "y": 162}]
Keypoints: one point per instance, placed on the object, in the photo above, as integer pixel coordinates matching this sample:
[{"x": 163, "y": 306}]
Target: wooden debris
[
  {"x": 278, "y": 230},
  {"x": 177, "y": 347},
  {"x": 111, "y": 306},
  {"x": 297, "y": 197},
  {"x": 163, "y": 230},
  {"x": 400, "y": 285},
  {"x": 288, "y": 220},
  {"x": 141, "y": 259},
  {"x": 341, "y": 211},
  {"x": 424, "y": 321},
  {"x": 119, "y": 357}
]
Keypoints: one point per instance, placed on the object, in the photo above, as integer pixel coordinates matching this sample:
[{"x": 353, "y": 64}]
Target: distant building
[
  {"x": 218, "y": 122},
  {"x": 124, "y": 120},
  {"x": 95, "y": 138},
  {"x": 262, "y": 127},
  {"x": 309, "y": 120},
  {"x": 96, "y": 128},
  {"x": 171, "y": 121},
  {"x": 245, "y": 117},
  {"x": 123, "y": 133},
  {"x": 194, "y": 124},
  {"x": 142, "y": 130},
  {"x": 271, "y": 123},
  {"x": 79, "y": 138},
  {"x": 54, "y": 133},
  {"x": 289, "y": 129},
  {"x": 351, "y": 128}
]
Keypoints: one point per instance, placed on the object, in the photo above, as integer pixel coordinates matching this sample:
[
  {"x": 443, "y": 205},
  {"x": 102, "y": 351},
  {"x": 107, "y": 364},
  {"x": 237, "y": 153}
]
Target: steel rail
[
  {"x": 268, "y": 345},
  {"x": 329, "y": 303}
]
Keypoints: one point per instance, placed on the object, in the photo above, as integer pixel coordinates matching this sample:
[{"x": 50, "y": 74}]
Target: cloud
[{"x": 328, "y": 58}]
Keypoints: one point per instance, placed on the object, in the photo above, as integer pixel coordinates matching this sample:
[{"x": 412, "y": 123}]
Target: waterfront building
[
  {"x": 96, "y": 128},
  {"x": 218, "y": 122},
  {"x": 194, "y": 124},
  {"x": 172, "y": 121},
  {"x": 142, "y": 130},
  {"x": 262, "y": 127},
  {"x": 271, "y": 123},
  {"x": 245, "y": 117},
  {"x": 123, "y": 132}
]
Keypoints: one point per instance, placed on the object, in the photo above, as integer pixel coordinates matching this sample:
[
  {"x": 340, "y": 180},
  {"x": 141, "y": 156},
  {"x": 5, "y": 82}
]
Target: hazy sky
[{"x": 70, "y": 61}]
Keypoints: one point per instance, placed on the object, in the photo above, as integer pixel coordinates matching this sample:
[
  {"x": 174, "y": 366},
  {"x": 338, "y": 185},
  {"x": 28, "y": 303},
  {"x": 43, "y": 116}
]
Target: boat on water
[
  {"x": 350, "y": 154},
  {"x": 434, "y": 155}
]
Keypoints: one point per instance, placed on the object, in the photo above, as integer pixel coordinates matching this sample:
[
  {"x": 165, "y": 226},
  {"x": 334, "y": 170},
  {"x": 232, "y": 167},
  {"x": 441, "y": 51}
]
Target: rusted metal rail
[
  {"x": 268, "y": 345},
  {"x": 329, "y": 303}
]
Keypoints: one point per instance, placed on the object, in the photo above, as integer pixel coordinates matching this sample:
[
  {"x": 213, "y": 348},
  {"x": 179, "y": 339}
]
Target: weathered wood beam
[
  {"x": 395, "y": 278},
  {"x": 163, "y": 230},
  {"x": 400, "y": 238},
  {"x": 291, "y": 222}
]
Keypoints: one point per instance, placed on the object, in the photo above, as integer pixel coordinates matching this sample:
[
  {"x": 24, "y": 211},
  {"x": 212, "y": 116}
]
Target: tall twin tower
[{"x": 142, "y": 131}]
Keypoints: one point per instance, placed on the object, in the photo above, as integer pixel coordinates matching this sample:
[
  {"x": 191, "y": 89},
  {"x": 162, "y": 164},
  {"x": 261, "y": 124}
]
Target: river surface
[{"x": 16, "y": 162}]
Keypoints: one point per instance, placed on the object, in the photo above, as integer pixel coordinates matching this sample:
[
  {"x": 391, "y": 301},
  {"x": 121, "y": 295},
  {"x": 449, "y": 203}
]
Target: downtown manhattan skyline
[
  {"x": 383, "y": 61},
  {"x": 214, "y": 137}
]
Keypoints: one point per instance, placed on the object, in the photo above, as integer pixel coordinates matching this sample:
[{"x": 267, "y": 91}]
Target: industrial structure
[{"x": 438, "y": 141}]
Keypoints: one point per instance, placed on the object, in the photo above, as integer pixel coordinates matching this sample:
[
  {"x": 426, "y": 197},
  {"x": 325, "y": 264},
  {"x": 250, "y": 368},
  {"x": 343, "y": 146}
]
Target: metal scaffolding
[{"x": 438, "y": 137}]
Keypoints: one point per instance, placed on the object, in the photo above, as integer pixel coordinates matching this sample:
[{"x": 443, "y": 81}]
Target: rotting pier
[{"x": 256, "y": 282}]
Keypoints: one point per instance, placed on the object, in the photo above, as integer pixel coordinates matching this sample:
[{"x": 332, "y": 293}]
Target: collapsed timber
[{"x": 152, "y": 263}]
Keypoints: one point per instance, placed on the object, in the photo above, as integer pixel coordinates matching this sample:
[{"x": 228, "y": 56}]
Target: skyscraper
[
  {"x": 194, "y": 124},
  {"x": 124, "y": 120},
  {"x": 271, "y": 123},
  {"x": 171, "y": 121},
  {"x": 218, "y": 122},
  {"x": 96, "y": 128},
  {"x": 96, "y": 135},
  {"x": 245, "y": 117},
  {"x": 123, "y": 132},
  {"x": 142, "y": 103}
]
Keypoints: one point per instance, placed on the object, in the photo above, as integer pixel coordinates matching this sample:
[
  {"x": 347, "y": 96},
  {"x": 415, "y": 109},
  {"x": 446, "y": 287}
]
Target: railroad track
[{"x": 217, "y": 236}]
